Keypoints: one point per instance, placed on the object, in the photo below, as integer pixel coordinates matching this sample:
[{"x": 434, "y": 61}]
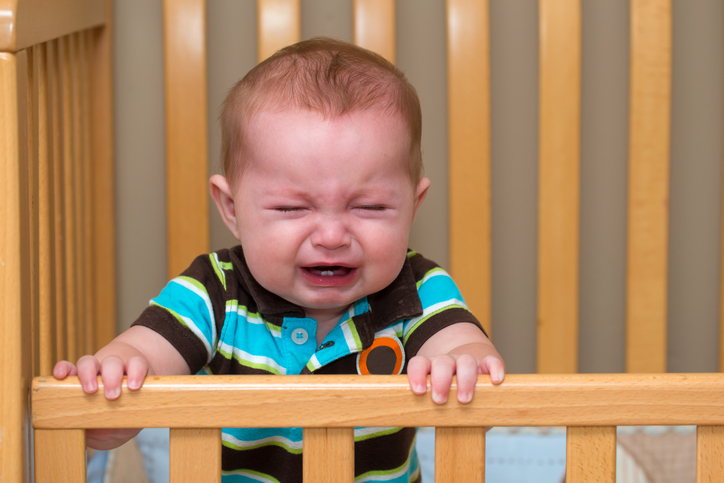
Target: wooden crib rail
[{"x": 590, "y": 405}]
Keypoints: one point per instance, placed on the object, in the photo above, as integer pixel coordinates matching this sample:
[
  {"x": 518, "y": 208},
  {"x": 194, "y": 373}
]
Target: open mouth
[
  {"x": 329, "y": 275},
  {"x": 329, "y": 271}
]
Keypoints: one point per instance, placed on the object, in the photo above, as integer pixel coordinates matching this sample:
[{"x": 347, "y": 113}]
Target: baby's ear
[
  {"x": 420, "y": 192},
  {"x": 224, "y": 198}
]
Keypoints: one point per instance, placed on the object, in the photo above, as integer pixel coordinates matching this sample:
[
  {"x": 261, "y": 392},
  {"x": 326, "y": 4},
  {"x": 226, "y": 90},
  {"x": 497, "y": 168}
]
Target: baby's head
[
  {"x": 321, "y": 147},
  {"x": 321, "y": 75}
]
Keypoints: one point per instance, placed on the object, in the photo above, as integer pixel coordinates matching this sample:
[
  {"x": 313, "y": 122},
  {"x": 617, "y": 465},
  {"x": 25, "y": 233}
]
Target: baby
[{"x": 323, "y": 178}]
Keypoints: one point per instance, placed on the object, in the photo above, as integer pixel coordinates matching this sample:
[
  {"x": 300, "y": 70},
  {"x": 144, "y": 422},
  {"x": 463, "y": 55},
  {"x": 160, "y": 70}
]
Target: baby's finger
[
  {"x": 63, "y": 369},
  {"x": 112, "y": 369},
  {"x": 417, "y": 370},
  {"x": 493, "y": 366},
  {"x": 467, "y": 376},
  {"x": 136, "y": 372},
  {"x": 441, "y": 372},
  {"x": 88, "y": 369}
]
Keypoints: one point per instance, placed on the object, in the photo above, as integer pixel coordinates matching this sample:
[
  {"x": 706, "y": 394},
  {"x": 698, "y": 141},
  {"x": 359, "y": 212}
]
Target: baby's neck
[{"x": 326, "y": 319}]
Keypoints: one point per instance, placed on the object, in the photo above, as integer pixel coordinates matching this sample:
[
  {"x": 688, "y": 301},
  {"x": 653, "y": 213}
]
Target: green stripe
[
  {"x": 419, "y": 322},
  {"x": 411, "y": 253},
  {"x": 355, "y": 334},
  {"x": 253, "y": 365},
  {"x": 427, "y": 275},
  {"x": 285, "y": 447},
  {"x": 385, "y": 432},
  {"x": 270, "y": 479},
  {"x": 175, "y": 314},
  {"x": 218, "y": 270},
  {"x": 196, "y": 284}
]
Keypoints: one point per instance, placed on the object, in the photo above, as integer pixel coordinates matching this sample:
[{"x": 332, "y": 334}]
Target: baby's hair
[{"x": 323, "y": 75}]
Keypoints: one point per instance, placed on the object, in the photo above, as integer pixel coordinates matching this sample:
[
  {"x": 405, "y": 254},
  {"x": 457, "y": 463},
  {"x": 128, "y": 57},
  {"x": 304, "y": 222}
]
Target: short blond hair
[{"x": 323, "y": 75}]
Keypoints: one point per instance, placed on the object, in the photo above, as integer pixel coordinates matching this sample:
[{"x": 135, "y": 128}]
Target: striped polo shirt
[{"x": 223, "y": 322}]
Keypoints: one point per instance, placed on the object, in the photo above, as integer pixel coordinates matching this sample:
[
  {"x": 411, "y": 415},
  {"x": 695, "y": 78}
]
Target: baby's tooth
[{"x": 327, "y": 273}]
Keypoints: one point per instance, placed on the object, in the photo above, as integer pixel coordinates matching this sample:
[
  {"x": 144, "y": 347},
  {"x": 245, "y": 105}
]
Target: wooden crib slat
[
  {"x": 591, "y": 454},
  {"x": 559, "y": 185},
  {"x": 374, "y": 26},
  {"x": 76, "y": 96},
  {"x": 468, "y": 44},
  {"x": 11, "y": 414},
  {"x": 709, "y": 451},
  {"x": 104, "y": 239},
  {"x": 46, "y": 270},
  {"x": 185, "y": 449},
  {"x": 59, "y": 222},
  {"x": 28, "y": 114},
  {"x": 87, "y": 188},
  {"x": 460, "y": 455},
  {"x": 186, "y": 132},
  {"x": 328, "y": 455},
  {"x": 649, "y": 129},
  {"x": 279, "y": 23},
  {"x": 69, "y": 193},
  {"x": 60, "y": 452}
]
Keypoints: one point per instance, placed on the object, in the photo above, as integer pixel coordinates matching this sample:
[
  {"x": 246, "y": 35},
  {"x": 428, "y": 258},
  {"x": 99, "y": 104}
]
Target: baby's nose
[{"x": 331, "y": 233}]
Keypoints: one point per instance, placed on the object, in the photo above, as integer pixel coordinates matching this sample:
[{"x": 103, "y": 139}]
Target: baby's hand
[
  {"x": 441, "y": 369},
  {"x": 111, "y": 369}
]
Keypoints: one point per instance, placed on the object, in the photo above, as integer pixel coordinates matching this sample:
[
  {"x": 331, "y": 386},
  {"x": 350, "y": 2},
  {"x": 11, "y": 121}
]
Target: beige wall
[{"x": 696, "y": 150}]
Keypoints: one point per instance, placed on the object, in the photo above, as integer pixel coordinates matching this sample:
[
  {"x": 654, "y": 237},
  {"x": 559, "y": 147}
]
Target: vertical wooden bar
[
  {"x": 468, "y": 46},
  {"x": 46, "y": 273},
  {"x": 374, "y": 26},
  {"x": 649, "y": 133},
  {"x": 709, "y": 451},
  {"x": 104, "y": 236},
  {"x": 69, "y": 201},
  {"x": 58, "y": 214},
  {"x": 279, "y": 23},
  {"x": 88, "y": 257},
  {"x": 328, "y": 455},
  {"x": 186, "y": 132},
  {"x": 29, "y": 157},
  {"x": 459, "y": 455},
  {"x": 11, "y": 382},
  {"x": 60, "y": 455},
  {"x": 185, "y": 448},
  {"x": 79, "y": 247},
  {"x": 559, "y": 185},
  {"x": 591, "y": 454}
]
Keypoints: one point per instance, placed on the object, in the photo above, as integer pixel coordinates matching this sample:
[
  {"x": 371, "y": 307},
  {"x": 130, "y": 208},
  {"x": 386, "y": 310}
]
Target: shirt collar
[{"x": 397, "y": 301}]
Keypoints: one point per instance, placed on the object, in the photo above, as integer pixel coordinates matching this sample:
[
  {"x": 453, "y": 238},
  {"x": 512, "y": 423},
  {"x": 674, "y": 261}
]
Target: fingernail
[
  {"x": 465, "y": 397},
  {"x": 498, "y": 377},
  {"x": 133, "y": 385},
  {"x": 438, "y": 398},
  {"x": 112, "y": 393},
  {"x": 420, "y": 389}
]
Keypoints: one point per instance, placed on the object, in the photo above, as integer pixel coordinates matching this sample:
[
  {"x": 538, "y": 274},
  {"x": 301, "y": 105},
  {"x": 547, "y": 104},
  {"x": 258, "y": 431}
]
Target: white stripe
[
  {"x": 348, "y": 336},
  {"x": 271, "y": 439},
  {"x": 191, "y": 325},
  {"x": 254, "y": 318},
  {"x": 431, "y": 309},
  {"x": 437, "y": 272},
  {"x": 205, "y": 297},
  {"x": 252, "y": 358}
]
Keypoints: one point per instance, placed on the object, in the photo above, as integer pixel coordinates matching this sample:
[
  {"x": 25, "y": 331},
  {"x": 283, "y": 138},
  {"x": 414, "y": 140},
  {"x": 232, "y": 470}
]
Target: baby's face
[{"x": 324, "y": 207}]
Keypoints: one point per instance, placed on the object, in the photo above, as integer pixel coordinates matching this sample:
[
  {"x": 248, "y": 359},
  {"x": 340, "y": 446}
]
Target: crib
[{"x": 58, "y": 258}]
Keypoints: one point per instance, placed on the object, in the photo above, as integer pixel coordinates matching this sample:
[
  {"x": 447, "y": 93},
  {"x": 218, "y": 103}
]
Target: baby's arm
[
  {"x": 460, "y": 349},
  {"x": 136, "y": 353}
]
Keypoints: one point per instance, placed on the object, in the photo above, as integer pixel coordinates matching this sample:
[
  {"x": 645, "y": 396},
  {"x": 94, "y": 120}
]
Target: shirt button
[{"x": 299, "y": 336}]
